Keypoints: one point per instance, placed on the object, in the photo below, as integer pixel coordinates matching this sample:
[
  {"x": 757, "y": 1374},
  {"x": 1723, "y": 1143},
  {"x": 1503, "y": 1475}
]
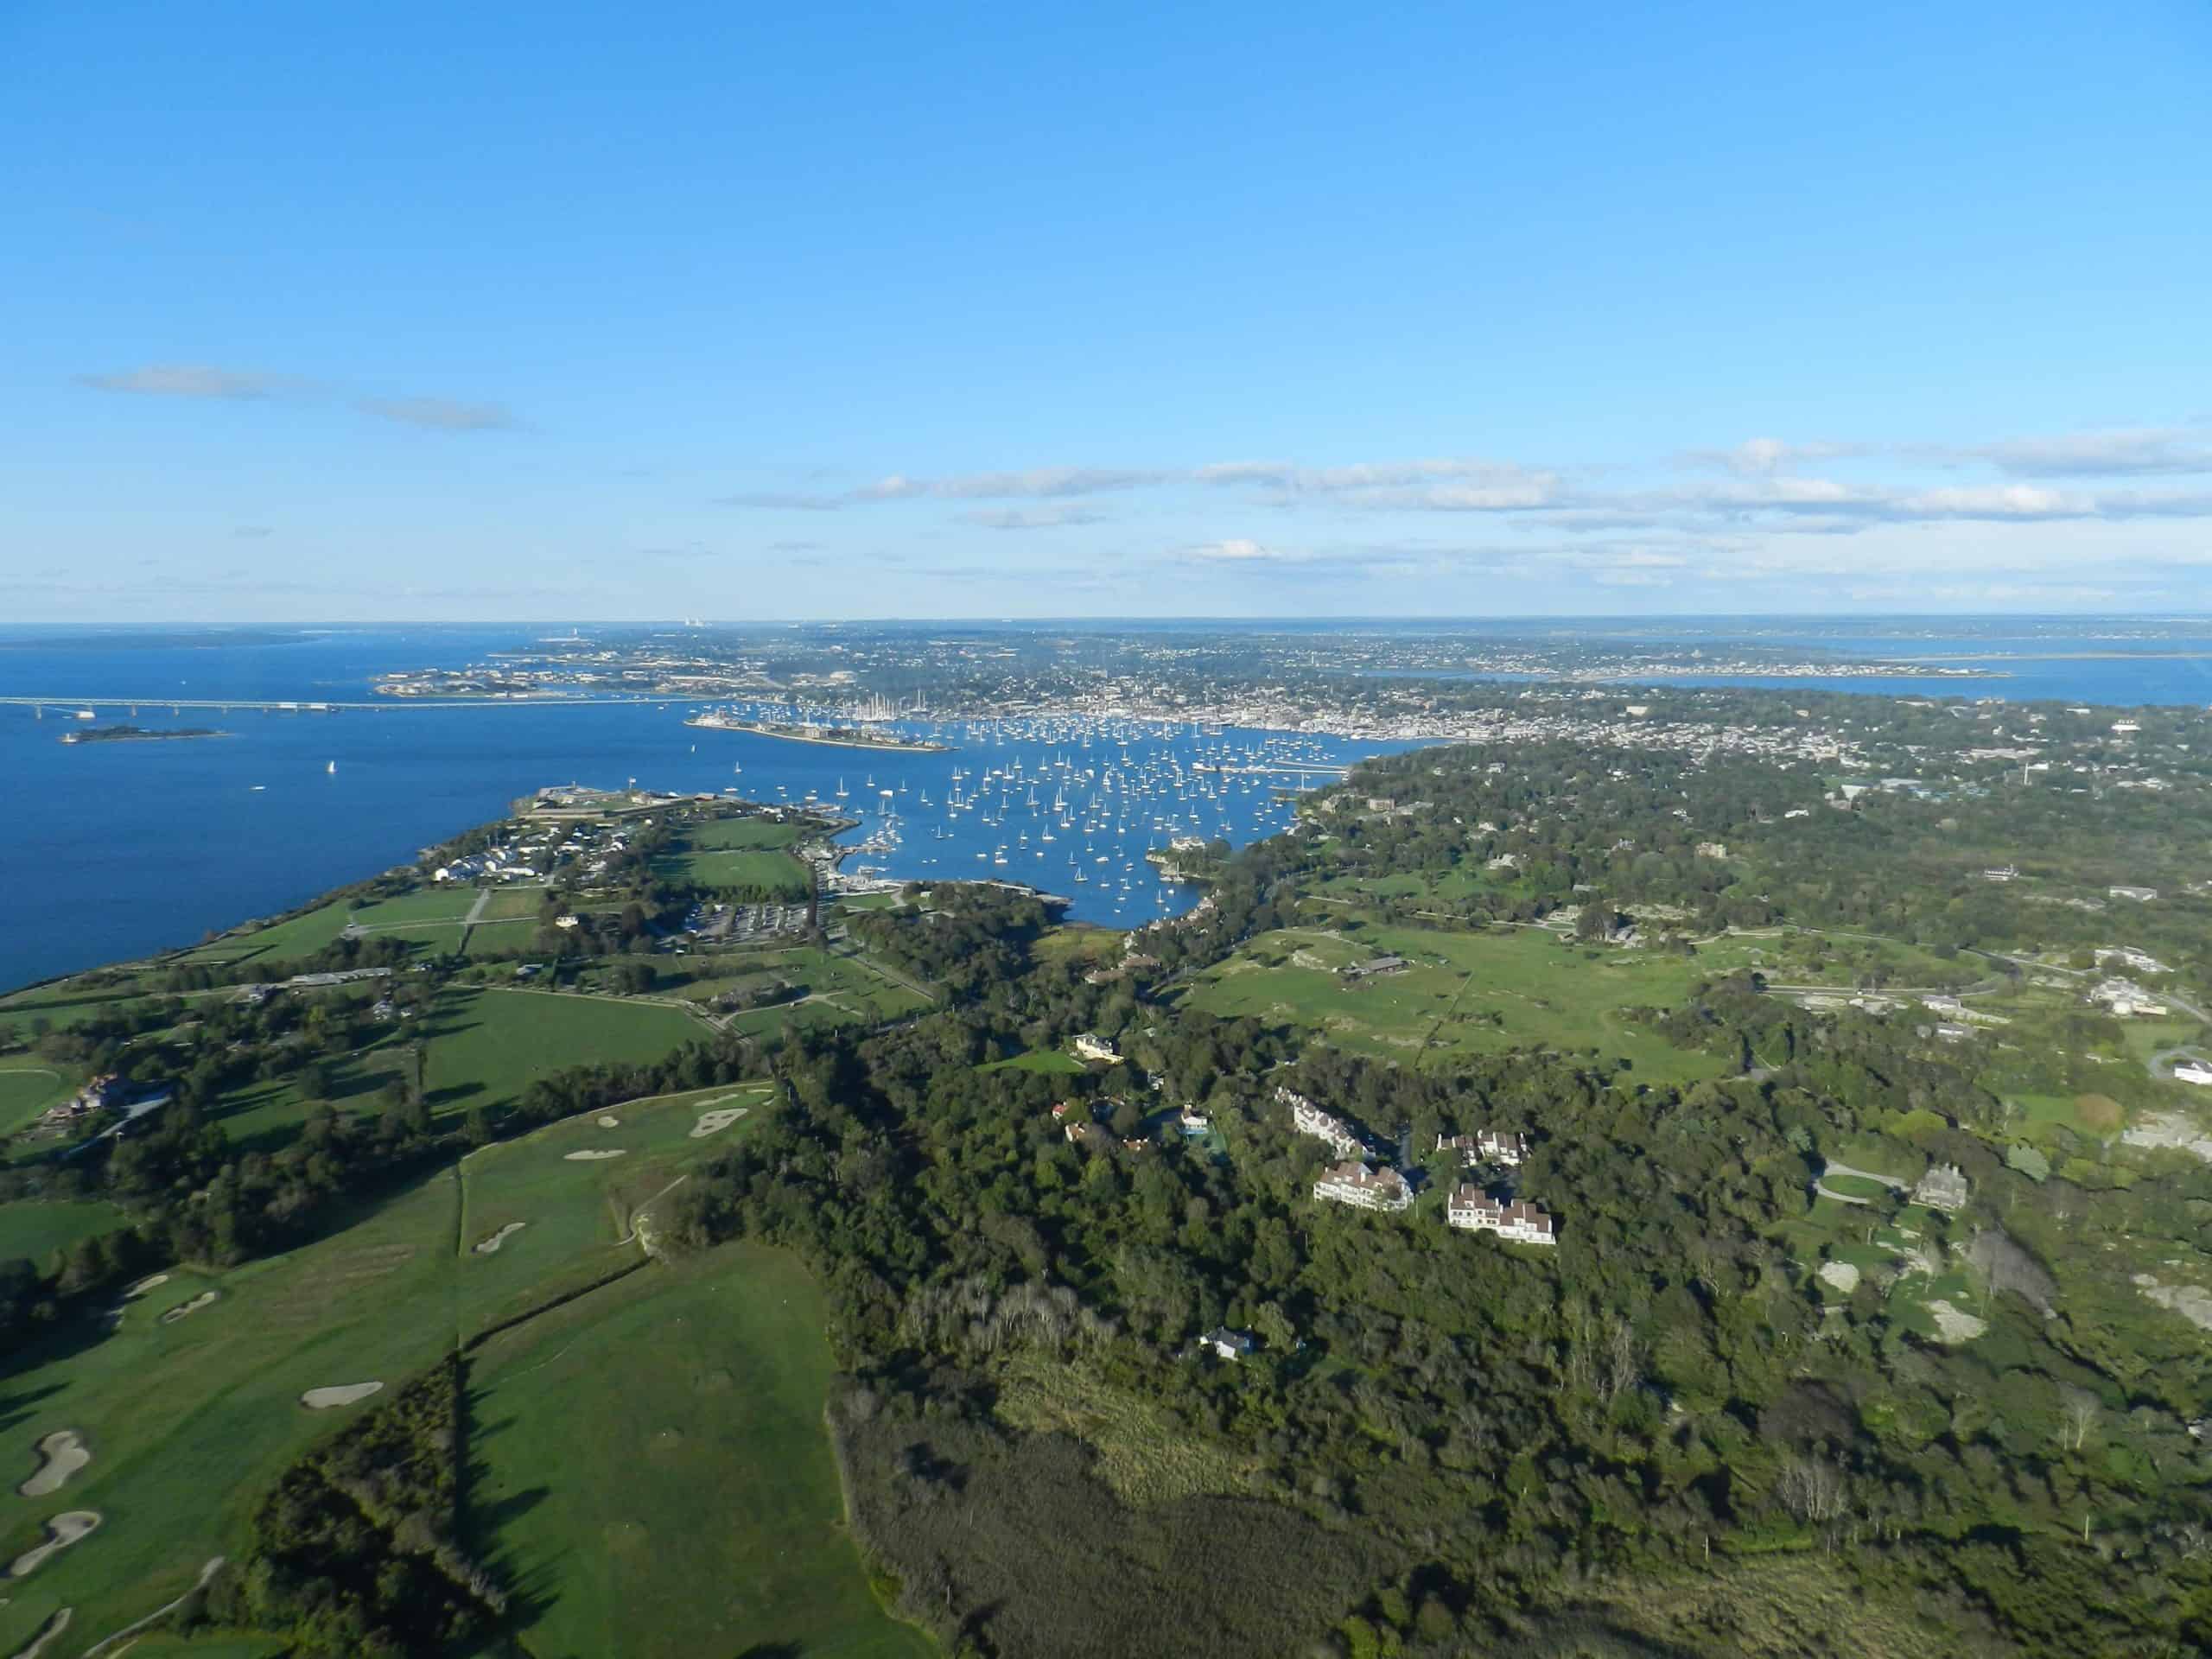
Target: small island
[{"x": 135, "y": 734}]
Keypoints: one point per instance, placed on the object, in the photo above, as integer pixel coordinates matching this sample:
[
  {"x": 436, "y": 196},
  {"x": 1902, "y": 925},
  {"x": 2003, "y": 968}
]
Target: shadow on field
[
  {"x": 16, "y": 1407},
  {"x": 772, "y": 1650}
]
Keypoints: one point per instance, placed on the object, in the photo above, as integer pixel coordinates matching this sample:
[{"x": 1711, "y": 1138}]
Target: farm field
[
  {"x": 1460, "y": 993},
  {"x": 484, "y": 1045},
  {"x": 675, "y": 1394},
  {"x": 32, "y": 1229}
]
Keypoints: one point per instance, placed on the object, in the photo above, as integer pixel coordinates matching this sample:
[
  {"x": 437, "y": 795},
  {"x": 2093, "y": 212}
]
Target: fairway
[
  {"x": 33, "y": 1230},
  {"x": 560, "y": 1222},
  {"x": 189, "y": 1421},
  {"x": 741, "y": 855},
  {"x": 485, "y": 1045},
  {"x": 1459, "y": 993},
  {"x": 657, "y": 1451}
]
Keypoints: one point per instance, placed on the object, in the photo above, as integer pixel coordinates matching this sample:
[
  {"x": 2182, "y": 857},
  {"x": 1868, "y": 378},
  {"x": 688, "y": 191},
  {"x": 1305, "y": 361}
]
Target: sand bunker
[
  {"x": 62, "y": 1531},
  {"x": 62, "y": 1454},
  {"x": 610, "y": 1122},
  {"x": 1840, "y": 1276},
  {"x": 1954, "y": 1324},
  {"x": 591, "y": 1156},
  {"x": 324, "y": 1399},
  {"x": 192, "y": 1306},
  {"x": 500, "y": 1237},
  {"x": 151, "y": 1282},
  {"x": 46, "y": 1632},
  {"x": 712, "y": 1123}
]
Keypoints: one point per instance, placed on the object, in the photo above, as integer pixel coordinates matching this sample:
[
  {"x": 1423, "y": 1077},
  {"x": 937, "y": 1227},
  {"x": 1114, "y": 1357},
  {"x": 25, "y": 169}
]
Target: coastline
[{"x": 826, "y": 740}]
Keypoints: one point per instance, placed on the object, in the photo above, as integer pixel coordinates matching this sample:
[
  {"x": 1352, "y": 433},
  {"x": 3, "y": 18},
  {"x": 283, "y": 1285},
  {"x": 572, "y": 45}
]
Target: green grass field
[
  {"x": 1461, "y": 993},
  {"x": 1052, "y": 1062},
  {"x": 28, "y": 1087},
  {"x": 577, "y": 1216},
  {"x": 485, "y": 1045},
  {"x": 298, "y": 935},
  {"x": 748, "y": 854},
  {"x": 33, "y": 1230},
  {"x": 657, "y": 1466},
  {"x": 188, "y": 1422},
  {"x": 61, "y": 1006}
]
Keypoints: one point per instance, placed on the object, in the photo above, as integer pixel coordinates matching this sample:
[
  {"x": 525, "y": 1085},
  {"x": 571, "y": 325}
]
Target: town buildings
[
  {"x": 1471, "y": 1208},
  {"x": 1356, "y": 1184}
]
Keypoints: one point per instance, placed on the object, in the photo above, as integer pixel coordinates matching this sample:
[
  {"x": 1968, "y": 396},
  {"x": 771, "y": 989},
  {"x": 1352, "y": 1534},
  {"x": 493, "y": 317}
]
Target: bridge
[{"x": 68, "y": 706}]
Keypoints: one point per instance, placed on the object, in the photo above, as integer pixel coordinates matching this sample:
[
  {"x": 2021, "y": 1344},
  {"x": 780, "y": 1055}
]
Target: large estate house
[
  {"x": 1506, "y": 1146},
  {"x": 1473, "y": 1209},
  {"x": 1308, "y": 1119},
  {"x": 1354, "y": 1183}
]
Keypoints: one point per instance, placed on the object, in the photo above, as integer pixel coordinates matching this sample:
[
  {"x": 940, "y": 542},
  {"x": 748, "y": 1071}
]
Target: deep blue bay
[{"x": 115, "y": 851}]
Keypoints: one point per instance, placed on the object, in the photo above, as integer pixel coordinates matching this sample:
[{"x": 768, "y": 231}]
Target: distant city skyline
[{"x": 1258, "y": 313}]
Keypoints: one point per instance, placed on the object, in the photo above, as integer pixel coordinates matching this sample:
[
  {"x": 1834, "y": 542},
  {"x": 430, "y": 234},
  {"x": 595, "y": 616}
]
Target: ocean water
[{"x": 113, "y": 850}]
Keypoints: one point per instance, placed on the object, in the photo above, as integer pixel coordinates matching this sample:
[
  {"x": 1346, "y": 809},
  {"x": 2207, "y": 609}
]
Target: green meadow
[
  {"x": 28, "y": 1088},
  {"x": 656, "y": 1478},
  {"x": 484, "y": 1045},
  {"x": 32, "y": 1231},
  {"x": 750, "y": 854},
  {"x": 1460, "y": 993}
]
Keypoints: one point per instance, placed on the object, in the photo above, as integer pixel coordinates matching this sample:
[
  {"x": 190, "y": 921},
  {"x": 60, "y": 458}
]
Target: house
[
  {"x": 1190, "y": 1121},
  {"x": 1471, "y": 1208},
  {"x": 1713, "y": 849},
  {"x": 2001, "y": 872},
  {"x": 564, "y": 921},
  {"x": 1486, "y": 1147},
  {"x": 2195, "y": 1071},
  {"x": 1229, "y": 1345},
  {"x": 1308, "y": 1119},
  {"x": 1090, "y": 1046},
  {"x": 1354, "y": 1183},
  {"x": 1061, "y": 1110},
  {"x": 2141, "y": 895},
  {"x": 1943, "y": 1187},
  {"x": 1385, "y": 964}
]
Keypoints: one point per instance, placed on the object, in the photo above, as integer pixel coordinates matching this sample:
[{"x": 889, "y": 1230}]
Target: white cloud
[
  {"x": 440, "y": 413},
  {"x": 189, "y": 380}
]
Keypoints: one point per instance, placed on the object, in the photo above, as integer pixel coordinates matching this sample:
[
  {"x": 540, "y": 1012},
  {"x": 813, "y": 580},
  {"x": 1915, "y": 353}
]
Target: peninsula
[{"x": 843, "y": 737}]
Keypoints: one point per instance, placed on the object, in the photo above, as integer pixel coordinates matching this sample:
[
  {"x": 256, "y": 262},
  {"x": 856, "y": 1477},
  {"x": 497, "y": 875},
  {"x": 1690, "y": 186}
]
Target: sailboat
[{"x": 330, "y": 765}]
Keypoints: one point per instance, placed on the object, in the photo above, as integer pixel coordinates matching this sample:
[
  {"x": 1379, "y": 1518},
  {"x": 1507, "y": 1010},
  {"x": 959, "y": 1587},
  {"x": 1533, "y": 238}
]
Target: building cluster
[
  {"x": 1363, "y": 1186},
  {"x": 536, "y": 851}
]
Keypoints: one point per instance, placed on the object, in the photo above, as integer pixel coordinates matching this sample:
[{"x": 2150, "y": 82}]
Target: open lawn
[
  {"x": 850, "y": 981},
  {"x": 1052, "y": 1062},
  {"x": 33, "y": 1230},
  {"x": 741, "y": 870},
  {"x": 298, "y": 935},
  {"x": 68, "y": 1003},
  {"x": 485, "y": 1045},
  {"x": 578, "y": 1217},
  {"x": 28, "y": 1087},
  {"x": 655, "y": 1462},
  {"x": 729, "y": 835},
  {"x": 1460, "y": 993}
]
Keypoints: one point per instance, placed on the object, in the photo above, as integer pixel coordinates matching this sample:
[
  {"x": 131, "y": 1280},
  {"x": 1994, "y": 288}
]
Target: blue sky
[{"x": 341, "y": 312}]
